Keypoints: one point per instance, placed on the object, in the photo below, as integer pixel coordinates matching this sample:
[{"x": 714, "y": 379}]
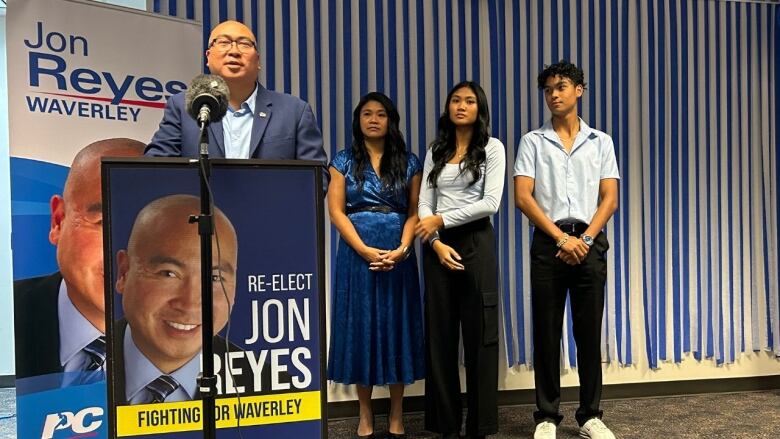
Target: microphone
[{"x": 207, "y": 98}]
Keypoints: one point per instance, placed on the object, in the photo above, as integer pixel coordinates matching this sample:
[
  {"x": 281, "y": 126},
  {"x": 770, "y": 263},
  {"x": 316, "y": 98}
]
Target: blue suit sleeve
[
  {"x": 309, "y": 143},
  {"x": 166, "y": 142}
]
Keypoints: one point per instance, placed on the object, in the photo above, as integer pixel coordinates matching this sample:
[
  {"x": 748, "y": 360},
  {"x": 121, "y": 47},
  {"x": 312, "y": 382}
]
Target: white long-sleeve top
[{"x": 453, "y": 198}]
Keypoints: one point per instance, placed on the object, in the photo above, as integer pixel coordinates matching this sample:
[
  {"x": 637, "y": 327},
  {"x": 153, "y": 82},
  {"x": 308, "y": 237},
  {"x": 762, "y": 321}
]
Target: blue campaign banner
[
  {"x": 60, "y": 413},
  {"x": 303, "y": 429},
  {"x": 77, "y": 92},
  {"x": 268, "y": 282},
  {"x": 33, "y": 183}
]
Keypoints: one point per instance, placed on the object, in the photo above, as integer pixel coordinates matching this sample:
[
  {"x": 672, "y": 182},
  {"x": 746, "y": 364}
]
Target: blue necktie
[
  {"x": 161, "y": 388},
  {"x": 92, "y": 370},
  {"x": 96, "y": 351}
]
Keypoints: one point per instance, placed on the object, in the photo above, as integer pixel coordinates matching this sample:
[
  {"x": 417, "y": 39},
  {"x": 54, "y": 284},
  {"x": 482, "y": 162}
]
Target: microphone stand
[{"x": 207, "y": 380}]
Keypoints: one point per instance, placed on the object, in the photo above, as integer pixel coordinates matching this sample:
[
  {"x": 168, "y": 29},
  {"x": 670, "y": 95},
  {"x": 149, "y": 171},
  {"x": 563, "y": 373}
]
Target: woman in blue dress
[{"x": 376, "y": 335}]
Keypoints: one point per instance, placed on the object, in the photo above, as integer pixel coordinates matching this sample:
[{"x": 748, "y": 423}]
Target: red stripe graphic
[{"x": 123, "y": 101}]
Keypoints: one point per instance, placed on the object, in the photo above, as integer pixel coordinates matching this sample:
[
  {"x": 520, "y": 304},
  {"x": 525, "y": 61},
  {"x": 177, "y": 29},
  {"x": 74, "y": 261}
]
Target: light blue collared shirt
[
  {"x": 139, "y": 372},
  {"x": 76, "y": 332},
  {"x": 566, "y": 185},
  {"x": 237, "y": 128}
]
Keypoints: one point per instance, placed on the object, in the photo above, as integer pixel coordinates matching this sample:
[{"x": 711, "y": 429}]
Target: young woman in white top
[{"x": 462, "y": 184}]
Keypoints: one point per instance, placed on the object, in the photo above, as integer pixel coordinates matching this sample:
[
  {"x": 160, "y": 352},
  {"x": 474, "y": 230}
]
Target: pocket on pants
[
  {"x": 601, "y": 245},
  {"x": 489, "y": 318}
]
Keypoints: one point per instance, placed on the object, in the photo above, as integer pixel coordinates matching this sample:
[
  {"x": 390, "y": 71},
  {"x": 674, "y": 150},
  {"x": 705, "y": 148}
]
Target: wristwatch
[{"x": 587, "y": 239}]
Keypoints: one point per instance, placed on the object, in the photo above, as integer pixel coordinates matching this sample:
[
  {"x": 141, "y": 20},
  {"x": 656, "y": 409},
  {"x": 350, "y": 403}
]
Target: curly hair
[
  {"x": 562, "y": 68},
  {"x": 393, "y": 165},
  {"x": 443, "y": 147}
]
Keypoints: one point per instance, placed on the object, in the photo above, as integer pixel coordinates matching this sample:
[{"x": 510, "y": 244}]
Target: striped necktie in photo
[
  {"x": 96, "y": 351},
  {"x": 161, "y": 388}
]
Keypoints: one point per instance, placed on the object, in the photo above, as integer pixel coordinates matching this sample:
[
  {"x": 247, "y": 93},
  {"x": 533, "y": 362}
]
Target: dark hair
[
  {"x": 443, "y": 147},
  {"x": 562, "y": 68},
  {"x": 392, "y": 167}
]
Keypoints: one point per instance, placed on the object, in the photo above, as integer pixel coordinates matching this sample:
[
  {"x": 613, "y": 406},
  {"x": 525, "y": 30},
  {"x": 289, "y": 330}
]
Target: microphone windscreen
[{"x": 210, "y": 90}]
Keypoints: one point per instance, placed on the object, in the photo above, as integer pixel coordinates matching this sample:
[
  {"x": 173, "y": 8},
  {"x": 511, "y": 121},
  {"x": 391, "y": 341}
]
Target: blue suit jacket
[{"x": 284, "y": 128}]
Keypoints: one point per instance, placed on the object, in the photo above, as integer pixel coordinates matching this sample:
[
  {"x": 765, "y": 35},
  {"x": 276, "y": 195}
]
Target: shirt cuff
[{"x": 445, "y": 221}]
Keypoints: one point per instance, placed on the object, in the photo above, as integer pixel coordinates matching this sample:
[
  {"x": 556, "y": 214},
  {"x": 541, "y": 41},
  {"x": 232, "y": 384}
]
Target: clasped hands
[
  {"x": 573, "y": 251},
  {"x": 382, "y": 260}
]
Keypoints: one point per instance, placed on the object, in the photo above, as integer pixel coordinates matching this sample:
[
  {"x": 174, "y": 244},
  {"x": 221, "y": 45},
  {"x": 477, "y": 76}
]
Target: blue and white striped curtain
[
  {"x": 709, "y": 205},
  {"x": 683, "y": 87}
]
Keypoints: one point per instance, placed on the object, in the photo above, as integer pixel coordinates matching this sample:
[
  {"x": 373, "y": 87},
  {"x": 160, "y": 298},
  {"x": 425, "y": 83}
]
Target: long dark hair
[
  {"x": 443, "y": 148},
  {"x": 392, "y": 167}
]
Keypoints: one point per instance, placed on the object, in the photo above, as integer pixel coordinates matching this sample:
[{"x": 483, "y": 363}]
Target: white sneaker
[
  {"x": 595, "y": 429},
  {"x": 545, "y": 430}
]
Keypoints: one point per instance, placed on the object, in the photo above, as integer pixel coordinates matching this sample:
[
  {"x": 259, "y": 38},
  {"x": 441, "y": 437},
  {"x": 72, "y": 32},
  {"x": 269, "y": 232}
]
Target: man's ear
[
  {"x": 123, "y": 264},
  {"x": 57, "y": 207}
]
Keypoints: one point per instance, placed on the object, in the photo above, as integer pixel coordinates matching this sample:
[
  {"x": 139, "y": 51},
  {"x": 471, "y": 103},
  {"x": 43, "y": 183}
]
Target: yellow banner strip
[{"x": 172, "y": 417}]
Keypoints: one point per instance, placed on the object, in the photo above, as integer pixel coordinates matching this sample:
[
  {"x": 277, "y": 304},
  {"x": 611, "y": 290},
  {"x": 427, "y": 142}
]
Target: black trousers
[
  {"x": 466, "y": 300},
  {"x": 551, "y": 280}
]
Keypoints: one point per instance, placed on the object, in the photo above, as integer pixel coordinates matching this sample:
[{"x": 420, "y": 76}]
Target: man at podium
[{"x": 259, "y": 124}]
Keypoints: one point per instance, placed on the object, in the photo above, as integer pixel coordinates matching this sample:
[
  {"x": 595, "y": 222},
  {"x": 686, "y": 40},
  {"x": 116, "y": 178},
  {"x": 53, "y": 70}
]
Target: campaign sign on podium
[{"x": 268, "y": 296}]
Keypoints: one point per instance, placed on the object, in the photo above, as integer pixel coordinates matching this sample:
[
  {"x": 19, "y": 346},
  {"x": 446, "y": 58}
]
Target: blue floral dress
[{"x": 376, "y": 335}]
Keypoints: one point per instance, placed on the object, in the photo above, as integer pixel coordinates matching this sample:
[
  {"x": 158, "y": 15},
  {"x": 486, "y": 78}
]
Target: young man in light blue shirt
[{"x": 566, "y": 183}]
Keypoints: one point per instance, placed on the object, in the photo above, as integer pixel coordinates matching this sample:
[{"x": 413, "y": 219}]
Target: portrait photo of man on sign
[
  {"x": 59, "y": 317},
  {"x": 158, "y": 341}
]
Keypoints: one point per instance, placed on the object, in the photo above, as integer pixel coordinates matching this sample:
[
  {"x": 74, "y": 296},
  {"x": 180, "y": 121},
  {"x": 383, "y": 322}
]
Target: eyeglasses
[{"x": 244, "y": 45}]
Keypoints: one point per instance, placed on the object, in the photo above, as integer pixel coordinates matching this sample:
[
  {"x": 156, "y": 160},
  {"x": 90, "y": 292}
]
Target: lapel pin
[{"x": 262, "y": 114}]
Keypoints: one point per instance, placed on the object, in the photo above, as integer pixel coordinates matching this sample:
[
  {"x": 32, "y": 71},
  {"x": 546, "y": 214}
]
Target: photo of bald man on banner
[
  {"x": 158, "y": 341},
  {"x": 59, "y": 317}
]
